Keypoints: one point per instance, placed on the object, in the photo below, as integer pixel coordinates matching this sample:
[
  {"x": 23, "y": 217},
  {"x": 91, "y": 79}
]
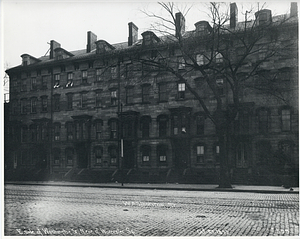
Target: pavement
[{"x": 167, "y": 186}]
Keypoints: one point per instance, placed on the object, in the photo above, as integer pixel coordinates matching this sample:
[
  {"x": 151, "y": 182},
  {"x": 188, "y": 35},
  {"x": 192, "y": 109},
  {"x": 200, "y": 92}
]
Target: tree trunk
[{"x": 224, "y": 170}]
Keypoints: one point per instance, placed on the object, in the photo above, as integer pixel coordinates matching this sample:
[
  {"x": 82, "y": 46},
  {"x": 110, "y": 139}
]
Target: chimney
[
  {"x": 53, "y": 46},
  {"x": 91, "y": 41},
  {"x": 133, "y": 33},
  {"x": 263, "y": 17},
  {"x": 179, "y": 24},
  {"x": 233, "y": 15},
  {"x": 294, "y": 9}
]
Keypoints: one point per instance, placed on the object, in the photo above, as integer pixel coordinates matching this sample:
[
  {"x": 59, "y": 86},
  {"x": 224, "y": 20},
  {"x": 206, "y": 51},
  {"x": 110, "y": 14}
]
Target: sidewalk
[{"x": 171, "y": 186}]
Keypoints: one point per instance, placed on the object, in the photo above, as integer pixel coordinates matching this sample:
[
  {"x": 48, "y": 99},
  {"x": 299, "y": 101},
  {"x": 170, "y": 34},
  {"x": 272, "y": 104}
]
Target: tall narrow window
[
  {"x": 98, "y": 154},
  {"x": 162, "y": 153},
  {"x": 113, "y": 154},
  {"x": 200, "y": 120},
  {"x": 263, "y": 120},
  {"x": 56, "y": 131},
  {"x": 23, "y": 106},
  {"x": 146, "y": 93},
  {"x": 113, "y": 129},
  {"x": 113, "y": 72},
  {"x": 181, "y": 90},
  {"x": 175, "y": 124},
  {"x": 70, "y": 80},
  {"x": 84, "y": 77},
  {"x": 129, "y": 95},
  {"x": 33, "y": 84},
  {"x": 162, "y": 125},
  {"x": 83, "y": 100},
  {"x": 217, "y": 153},
  {"x": 241, "y": 155},
  {"x": 163, "y": 92},
  {"x": 33, "y": 133},
  {"x": 145, "y": 150},
  {"x": 220, "y": 86},
  {"x": 69, "y": 127},
  {"x": 44, "y": 82},
  {"x": 99, "y": 74},
  {"x": 33, "y": 104},
  {"x": 286, "y": 120},
  {"x": 181, "y": 63},
  {"x": 24, "y": 85},
  {"x": 98, "y": 128},
  {"x": 56, "y": 80},
  {"x": 69, "y": 156},
  {"x": 69, "y": 101},
  {"x": 145, "y": 126},
  {"x": 113, "y": 97},
  {"x": 44, "y": 102},
  {"x": 200, "y": 153},
  {"x": 56, "y": 156},
  {"x": 98, "y": 98},
  {"x": 56, "y": 103},
  {"x": 24, "y": 134}
]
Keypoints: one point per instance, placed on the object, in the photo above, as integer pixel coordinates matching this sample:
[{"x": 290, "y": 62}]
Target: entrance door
[
  {"x": 82, "y": 155},
  {"x": 181, "y": 153},
  {"x": 128, "y": 154}
]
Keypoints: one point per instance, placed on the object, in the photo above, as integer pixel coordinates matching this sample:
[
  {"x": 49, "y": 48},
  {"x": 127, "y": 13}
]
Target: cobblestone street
[{"x": 86, "y": 211}]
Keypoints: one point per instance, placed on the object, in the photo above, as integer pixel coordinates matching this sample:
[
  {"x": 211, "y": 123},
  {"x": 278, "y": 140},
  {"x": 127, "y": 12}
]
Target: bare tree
[{"x": 221, "y": 55}]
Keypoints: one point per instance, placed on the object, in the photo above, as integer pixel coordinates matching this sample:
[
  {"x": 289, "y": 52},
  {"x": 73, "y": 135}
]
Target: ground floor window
[
  {"x": 145, "y": 149},
  {"x": 56, "y": 156},
  {"x": 113, "y": 155},
  {"x": 162, "y": 153},
  {"x": 69, "y": 156},
  {"x": 98, "y": 154},
  {"x": 200, "y": 150},
  {"x": 241, "y": 155}
]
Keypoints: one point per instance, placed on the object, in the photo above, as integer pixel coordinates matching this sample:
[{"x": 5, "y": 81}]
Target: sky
[{"x": 28, "y": 26}]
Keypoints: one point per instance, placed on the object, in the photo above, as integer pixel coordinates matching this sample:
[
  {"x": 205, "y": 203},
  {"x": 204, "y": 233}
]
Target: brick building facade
[{"x": 75, "y": 115}]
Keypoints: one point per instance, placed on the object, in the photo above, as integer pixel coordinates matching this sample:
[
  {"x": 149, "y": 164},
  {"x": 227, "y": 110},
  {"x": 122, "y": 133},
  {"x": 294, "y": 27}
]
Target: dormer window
[
  {"x": 84, "y": 77},
  {"x": 219, "y": 58}
]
